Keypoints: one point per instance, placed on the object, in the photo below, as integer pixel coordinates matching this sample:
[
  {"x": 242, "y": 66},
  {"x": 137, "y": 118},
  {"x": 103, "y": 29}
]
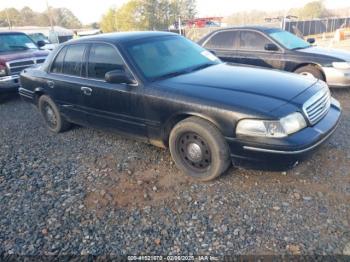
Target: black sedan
[
  {"x": 278, "y": 49},
  {"x": 167, "y": 90}
]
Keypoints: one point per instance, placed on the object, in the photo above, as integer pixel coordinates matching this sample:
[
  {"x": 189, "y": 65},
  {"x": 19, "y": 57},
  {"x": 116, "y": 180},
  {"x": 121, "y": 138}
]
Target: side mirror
[
  {"x": 40, "y": 43},
  {"x": 213, "y": 52},
  {"x": 311, "y": 40},
  {"x": 119, "y": 77},
  {"x": 271, "y": 47}
]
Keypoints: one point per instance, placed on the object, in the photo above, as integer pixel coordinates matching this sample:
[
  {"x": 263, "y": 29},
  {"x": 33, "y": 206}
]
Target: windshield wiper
[
  {"x": 19, "y": 47},
  {"x": 201, "y": 67},
  {"x": 303, "y": 47},
  {"x": 172, "y": 74},
  {"x": 185, "y": 71}
]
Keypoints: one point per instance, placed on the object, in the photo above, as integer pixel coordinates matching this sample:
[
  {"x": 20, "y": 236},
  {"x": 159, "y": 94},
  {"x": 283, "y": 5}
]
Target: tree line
[
  {"x": 147, "y": 15},
  {"x": 27, "y": 17},
  {"x": 311, "y": 10}
]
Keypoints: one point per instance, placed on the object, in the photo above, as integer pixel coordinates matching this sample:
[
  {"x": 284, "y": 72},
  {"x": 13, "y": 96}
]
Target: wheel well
[
  {"x": 311, "y": 64},
  {"x": 38, "y": 92},
  {"x": 176, "y": 119},
  {"x": 170, "y": 125}
]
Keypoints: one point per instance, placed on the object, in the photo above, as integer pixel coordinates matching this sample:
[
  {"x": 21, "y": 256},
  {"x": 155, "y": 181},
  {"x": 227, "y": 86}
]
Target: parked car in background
[
  {"x": 279, "y": 49},
  {"x": 36, "y": 37},
  {"x": 169, "y": 91},
  {"x": 17, "y": 52}
]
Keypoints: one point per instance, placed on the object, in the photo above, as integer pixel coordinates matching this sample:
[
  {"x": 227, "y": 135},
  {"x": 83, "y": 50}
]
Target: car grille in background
[
  {"x": 15, "y": 67},
  {"x": 317, "y": 106}
]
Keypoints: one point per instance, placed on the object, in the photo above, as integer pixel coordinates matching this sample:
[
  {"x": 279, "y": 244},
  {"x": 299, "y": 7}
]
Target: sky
[{"x": 89, "y": 11}]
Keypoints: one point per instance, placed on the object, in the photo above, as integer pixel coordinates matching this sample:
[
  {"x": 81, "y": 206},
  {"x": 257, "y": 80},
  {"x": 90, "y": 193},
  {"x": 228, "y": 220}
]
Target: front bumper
[
  {"x": 9, "y": 84},
  {"x": 337, "y": 77},
  {"x": 294, "y": 146}
]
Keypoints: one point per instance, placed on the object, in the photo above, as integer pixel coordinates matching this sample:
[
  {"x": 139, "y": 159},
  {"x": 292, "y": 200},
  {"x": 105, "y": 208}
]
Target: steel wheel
[
  {"x": 199, "y": 149},
  {"x": 49, "y": 115},
  {"x": 194, "y": 152}
]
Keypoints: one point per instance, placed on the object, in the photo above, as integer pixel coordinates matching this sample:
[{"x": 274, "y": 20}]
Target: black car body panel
[
  {"x": 221, "y": 94},
  {"x": 282, "y": 59}
]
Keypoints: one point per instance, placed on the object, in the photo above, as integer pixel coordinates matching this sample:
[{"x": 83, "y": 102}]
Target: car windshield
[
  {"x": 16, "y": 42},
  {"x": 169, "y": 56},
  {"x": 288, "y": 40},
  {"x": 39, "y": 37}
]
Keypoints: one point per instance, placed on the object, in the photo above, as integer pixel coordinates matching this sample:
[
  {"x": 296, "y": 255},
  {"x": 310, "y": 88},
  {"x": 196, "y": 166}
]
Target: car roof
[
  {"x": 122, "y": 36},
  {"x": 11, "y": 33},
  {"x": 258, "y": 28}
]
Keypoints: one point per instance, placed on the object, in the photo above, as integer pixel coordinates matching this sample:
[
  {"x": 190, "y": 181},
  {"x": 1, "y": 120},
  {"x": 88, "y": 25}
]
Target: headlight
[
  {"x": 2, "y": 70},
  {"x": 341, "y": 65},
  {"x": 282, "y": 128}
]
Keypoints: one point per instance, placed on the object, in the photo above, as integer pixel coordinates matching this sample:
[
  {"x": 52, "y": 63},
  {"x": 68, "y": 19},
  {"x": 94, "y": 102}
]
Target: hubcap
[
  {"x": 307, "y": 74},
  {"x": 194, "y": 152}
]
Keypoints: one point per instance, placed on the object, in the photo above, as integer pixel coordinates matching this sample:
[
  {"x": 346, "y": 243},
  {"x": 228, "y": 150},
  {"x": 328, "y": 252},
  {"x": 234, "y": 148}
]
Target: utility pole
[
  {"x": 8, "y": 19},
  {"x": 180, "y": 25},
  {"x": 50, "y": 14}
]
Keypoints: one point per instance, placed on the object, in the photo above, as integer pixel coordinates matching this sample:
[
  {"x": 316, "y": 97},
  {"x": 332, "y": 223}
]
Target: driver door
[{"x": 110, "y": 105}]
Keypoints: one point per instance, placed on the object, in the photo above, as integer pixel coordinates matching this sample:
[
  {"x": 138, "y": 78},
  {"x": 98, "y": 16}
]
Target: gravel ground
[{"x": 93, "y": 192}]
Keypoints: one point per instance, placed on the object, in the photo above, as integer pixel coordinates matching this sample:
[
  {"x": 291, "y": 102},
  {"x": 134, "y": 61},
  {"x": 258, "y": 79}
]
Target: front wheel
[
  {"x": 310, "y": 72},
  {"x": 199, "y": 149},
  {"x": 52, "y": 116}
]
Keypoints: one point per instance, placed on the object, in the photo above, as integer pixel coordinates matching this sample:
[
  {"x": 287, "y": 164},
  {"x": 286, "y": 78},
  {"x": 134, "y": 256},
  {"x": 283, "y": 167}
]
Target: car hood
[
  {"x": 259, "y": 89},
  {"x": 10, "y": 56},
  {"x": 336, "y": 53}
]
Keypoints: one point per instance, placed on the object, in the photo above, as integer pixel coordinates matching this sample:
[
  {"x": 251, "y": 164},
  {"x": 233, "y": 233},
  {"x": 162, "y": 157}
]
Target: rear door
[
  {"x": 224, "y": 45},
  {"x": 65, "y": 80},
  {"x": 112, "y": 106},
  {"x": 251, "y": 51}
]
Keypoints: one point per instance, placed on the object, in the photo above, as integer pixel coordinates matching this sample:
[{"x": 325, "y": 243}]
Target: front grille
[
  {"x": 317, "y": 106},
  {"x": 15, "y": 67}
]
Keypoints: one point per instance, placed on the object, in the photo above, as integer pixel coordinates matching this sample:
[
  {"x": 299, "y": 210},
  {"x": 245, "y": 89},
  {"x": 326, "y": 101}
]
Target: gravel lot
[{"x": 93, "y": 192}]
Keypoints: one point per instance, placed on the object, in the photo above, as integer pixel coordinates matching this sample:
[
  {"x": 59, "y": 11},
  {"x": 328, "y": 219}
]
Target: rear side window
[
  {"x": 253, "y": 41},
  {"x": 73, "y": 60},
  {"x": 223, "y": 40},
  {"x": 57, "y": 65},
  {"x": 102, "y": 59}
]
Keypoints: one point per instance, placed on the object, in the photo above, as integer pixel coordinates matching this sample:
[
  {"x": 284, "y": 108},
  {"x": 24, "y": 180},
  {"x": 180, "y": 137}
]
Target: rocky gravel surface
[{"x": 92, "y": 192}]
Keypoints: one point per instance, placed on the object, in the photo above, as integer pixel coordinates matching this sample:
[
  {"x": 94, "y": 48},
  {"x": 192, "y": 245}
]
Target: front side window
[
  {"x": 222, "y": 40},
  {"x": 102, "y": 59},
  {"x": 253, "y": 41},
  {"x": 15, "y": 42},
  {"x": 73, "y": 60},
  {"x": 169, "y": 56}
]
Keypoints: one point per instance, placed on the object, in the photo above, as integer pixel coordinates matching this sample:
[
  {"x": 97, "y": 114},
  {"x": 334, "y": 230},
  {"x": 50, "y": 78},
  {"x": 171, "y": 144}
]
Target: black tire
[
  {"x": 310, "y": 69},
  {"x": 51, "y": 115},
  {"x": 194, "y": 135}
]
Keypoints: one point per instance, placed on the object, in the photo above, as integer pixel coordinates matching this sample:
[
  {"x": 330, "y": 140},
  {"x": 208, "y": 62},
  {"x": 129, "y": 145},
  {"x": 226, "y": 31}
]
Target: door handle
[
  {"x": 86, "y": 90},
  {"x": 51, "y": 84}
]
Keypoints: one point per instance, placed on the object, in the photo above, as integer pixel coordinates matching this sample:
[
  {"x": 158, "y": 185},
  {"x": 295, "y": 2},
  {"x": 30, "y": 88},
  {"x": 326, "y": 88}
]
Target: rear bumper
[
  {"x": 9, "y": 84},
  {"x": 295, "y": 146},
  {"x": 337, "y": 77}
]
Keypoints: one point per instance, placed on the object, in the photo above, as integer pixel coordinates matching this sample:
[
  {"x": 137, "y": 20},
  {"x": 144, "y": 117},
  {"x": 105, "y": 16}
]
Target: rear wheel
[
  {"x": 199, "y": 149},
  {"x": 310, "y": 71},
  {"x": 52, "y": 116}
]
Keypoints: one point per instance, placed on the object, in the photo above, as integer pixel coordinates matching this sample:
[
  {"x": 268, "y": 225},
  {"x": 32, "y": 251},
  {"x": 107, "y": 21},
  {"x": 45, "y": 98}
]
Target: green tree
[
  {"x": 108, "y": 23},
  {"x": 147, "y": 14},
  {"x": 315, "y": 9}
]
